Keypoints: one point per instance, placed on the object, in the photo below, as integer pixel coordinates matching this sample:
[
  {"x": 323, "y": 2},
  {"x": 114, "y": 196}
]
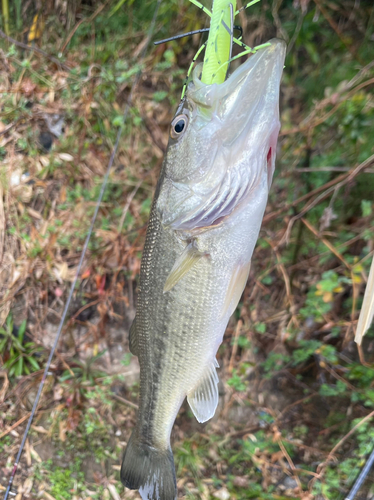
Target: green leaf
[
  {"x": 19, "y": 367},
  {"x": 9, "y": 323},
  {"x": 3, "y": 343},
  {"x": 21, "y": 331},
  {"x": 160, "y": 95},
  {"x": 33, "y": 362},
  {"x": 366, "y": 207},
  {"x": 332, "y": 390},
  {"x": 260, "y": 327},
  {"x": 117, "y": 121}
]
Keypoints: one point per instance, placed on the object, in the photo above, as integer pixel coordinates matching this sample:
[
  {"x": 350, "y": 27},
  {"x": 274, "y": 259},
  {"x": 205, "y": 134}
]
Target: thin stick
[
  {"x": 125, "y": 401},
  {"x": 330, "y": 186},
  {"x": 64, "y": 314},
  {"x": 14, "y": 426},
  {"x": 326, "y": 243},
  {"x": 34, "y": 49},
  {"x": 88, "y": 20},
  {"x": 323, "y": 465},
  {"x": 235, "y": 346}
]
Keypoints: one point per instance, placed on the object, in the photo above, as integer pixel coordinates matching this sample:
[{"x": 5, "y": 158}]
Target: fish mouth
[{"x": 253, "y": 85}]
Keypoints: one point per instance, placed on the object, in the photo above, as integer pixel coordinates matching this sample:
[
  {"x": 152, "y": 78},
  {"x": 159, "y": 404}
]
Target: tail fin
[{"x": 149, "y": 470}]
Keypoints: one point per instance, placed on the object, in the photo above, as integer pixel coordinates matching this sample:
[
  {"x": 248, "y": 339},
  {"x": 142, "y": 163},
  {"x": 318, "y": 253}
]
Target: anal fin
[
  {"x": 203, "y": 399},
  {"x": 184, "y": 263}
]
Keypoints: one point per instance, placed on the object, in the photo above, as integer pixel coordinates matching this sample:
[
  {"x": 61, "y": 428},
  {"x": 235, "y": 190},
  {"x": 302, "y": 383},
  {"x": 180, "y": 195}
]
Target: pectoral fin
[
  {"x": 236, "y": 287},
  {"x": 190, "y": 256},
  {"x": 203, "y": 399},
  {"x": 133, "y": 339}
]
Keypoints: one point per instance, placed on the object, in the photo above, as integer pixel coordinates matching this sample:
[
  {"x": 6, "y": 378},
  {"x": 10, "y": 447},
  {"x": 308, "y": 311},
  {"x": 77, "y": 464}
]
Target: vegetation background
[{"x": 297, "y": 396}]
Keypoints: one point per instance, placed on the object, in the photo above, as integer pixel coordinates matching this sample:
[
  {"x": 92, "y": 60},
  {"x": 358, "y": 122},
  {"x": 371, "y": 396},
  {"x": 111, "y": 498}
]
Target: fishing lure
[{"x": 218, "y": 47}]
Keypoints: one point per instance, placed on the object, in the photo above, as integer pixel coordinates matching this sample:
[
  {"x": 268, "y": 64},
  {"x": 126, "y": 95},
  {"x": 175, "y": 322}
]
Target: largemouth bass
[{"x": 204, "y": 223}]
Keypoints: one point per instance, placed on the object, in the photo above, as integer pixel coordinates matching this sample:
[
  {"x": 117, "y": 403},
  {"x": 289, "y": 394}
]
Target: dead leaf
[
  {"x": 40, "y": 429},
  {"x": 57, "y": 392},
  {"x": 327, "y": 217},
  {"x": 113, "y": 492},
  {"x": 28, "y": 87},
  {"x": 27, "y": 486},
  {"x": 34, "y": 213},
  {"x": 62, "y": 425},
  {"x": 48, "y": 496},
  {"x": 222, "y": 494},
  {"x": 65, "y": 157},
  {"x": 86, "y": 274},
  {"x": 27, "y": 453},
  {"x": 241, "y": 481},
  {"x": 35, "y": 455},
  {"x": 5, "y": 385}
]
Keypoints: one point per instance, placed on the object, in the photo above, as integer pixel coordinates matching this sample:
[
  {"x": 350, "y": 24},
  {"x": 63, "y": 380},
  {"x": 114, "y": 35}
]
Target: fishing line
[
  {"x": 195, "y": 32},
  {"x": 72, "y": 288}
]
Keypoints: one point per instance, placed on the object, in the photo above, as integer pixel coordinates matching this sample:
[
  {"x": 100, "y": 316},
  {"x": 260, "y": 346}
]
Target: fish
[{"x": 204, "y": 223}]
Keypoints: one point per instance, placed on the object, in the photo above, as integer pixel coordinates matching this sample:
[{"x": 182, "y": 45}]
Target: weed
[
  {"x": 20, "y": 358},
  {"x": 82, "y": 376}
]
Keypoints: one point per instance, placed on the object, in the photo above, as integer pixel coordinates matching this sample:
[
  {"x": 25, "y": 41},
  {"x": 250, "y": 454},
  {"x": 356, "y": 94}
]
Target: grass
[{"x": 295, "y": 386}]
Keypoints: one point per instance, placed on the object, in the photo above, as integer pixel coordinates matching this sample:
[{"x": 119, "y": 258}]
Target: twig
[
  {"x": 323, "y": 465},
  {"x": 235, "y": 345},
  {"x": 125, "y": 401},
  {"x": 361, "y": 478},
  {"x": 83, "y": 308},
  {"x": 290, "y": 462},
  {"x": 326, "y": 243},
  {"x": 34, "y": 49},
  {"x": 335, "y": 27},
  {"x": 88, "y": 20},
  {"x": 2, "y": 224},
  {"x": 329, "y": 169},
  {"x": 308, "y": 124},
  {"x": 337, "y": 183},
  {"x": 14, "y": 426},
  {"x": 3, "y": 390},
  {"x": 127, "y": 206}
]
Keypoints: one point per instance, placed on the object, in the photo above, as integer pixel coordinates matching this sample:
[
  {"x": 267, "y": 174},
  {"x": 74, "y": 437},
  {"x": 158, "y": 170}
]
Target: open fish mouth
[
  {"x": 252, "y": 88},
  {"x": 228, "y": 145}
]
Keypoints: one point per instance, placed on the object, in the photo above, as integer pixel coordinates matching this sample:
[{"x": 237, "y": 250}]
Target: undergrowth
[{"x": 296, "y": 413}]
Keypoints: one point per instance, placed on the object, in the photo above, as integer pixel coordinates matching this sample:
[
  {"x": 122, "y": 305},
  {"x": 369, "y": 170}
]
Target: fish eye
[{"x": 178, "y": 126}]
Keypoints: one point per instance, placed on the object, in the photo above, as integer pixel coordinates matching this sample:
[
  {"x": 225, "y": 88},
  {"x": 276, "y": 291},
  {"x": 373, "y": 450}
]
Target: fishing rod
[
  {"x": 77, "y": 273},
  {"x": 361, "y": 477}
]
